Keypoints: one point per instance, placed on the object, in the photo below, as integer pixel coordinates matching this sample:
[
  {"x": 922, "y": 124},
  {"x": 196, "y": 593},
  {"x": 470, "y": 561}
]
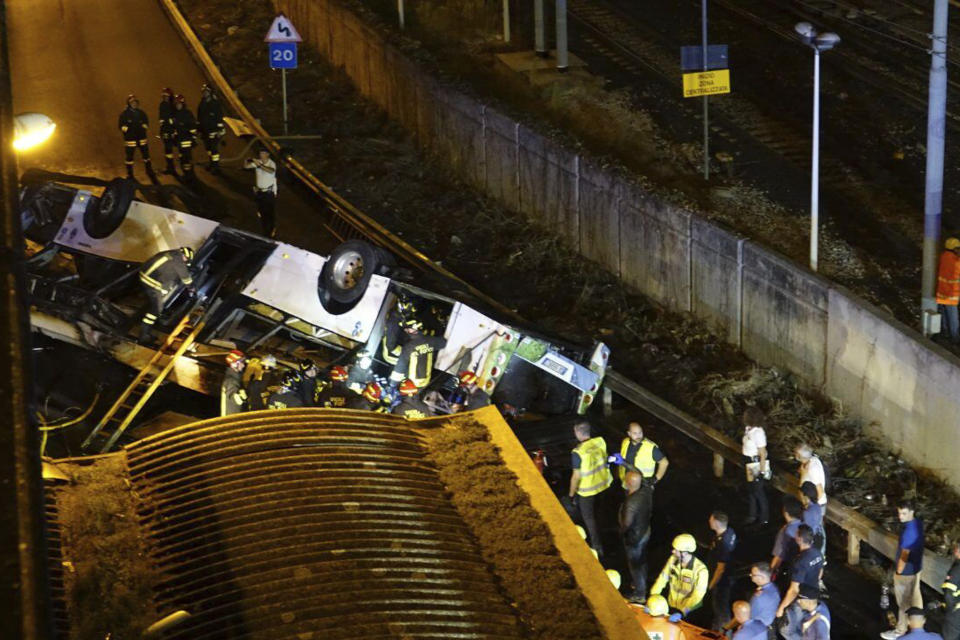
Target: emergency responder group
[
  {"x": 179, "y": 131},
  {"x": 787, "y": 600}
]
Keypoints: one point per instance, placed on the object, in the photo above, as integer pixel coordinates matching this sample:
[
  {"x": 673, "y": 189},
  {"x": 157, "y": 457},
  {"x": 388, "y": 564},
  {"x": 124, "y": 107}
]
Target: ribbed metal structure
[
  {"x": 55, "y": 568},
  {"x": 310, "y": 523}
]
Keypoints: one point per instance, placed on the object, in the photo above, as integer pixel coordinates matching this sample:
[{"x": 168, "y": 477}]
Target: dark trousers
[
  {"x": 186, "y": 155},
  {"x": 587, "y": 511},
  {"x": 951, "y": 321},
  {"x": 637, "y": 563},
  {"x": 720, "y": 602},
  {"x": 212, "y": 143},
  {"x": 757, "y": 506},
  {"x": 951, "y": 626},
  {"x": 266, "y": 202},
  {"x": 155, "y": 304},
  {"x": 130, "y": 147}
]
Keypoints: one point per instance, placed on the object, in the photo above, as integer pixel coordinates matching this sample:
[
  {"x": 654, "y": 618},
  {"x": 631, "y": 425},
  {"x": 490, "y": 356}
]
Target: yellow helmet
[
  {"x": 657, "y": 606},
  {"x": 685, "y": 542},
  {"x": 614, "y": 576},
  {"x": 581, "y": 531},
  {"x": 951, "y": 243}
]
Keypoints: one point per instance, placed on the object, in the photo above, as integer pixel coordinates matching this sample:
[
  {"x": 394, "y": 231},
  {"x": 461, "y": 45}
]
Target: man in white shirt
[
  {"x": 811, "y": 470},
  {"x": 265, "y": 190},
  {"x": 756, "y": 465}
]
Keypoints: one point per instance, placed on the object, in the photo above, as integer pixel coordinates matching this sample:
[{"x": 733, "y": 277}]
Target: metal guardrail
[{"x": 858, "y": 527}]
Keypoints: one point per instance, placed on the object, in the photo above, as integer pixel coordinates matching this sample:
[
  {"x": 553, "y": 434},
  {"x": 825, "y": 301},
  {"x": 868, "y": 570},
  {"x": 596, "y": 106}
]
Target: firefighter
[
  {"x": 287, "y": 394},
  {"x": 391, "y": 344},
  {"x": 233, "y": 397},
  {"x": 951, "y": 598},
  {"x": 469, "y": 395},
  {"x": 684, "y": 575},
  {"x": 133, "y": 123},
  {"x": 308, "y": 386},
  {"x": 168, "y": 131},
  {"x": 590, "y": 477},
  {"x": 369, "y": 400},
  {"x": 411, "y": 406},
  {"x": 417, "y": 356},
  {"x": 948, "y": 288},
  {"x": 336, "y": 394},
  {"x": 258, "y": 378},
  {"x": 210, "y": 121},
  {"x": 163, "y": 277},
  {"x": 185, "y": 127}
]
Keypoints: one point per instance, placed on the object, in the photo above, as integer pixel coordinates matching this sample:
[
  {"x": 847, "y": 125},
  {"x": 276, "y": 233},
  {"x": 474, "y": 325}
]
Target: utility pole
[
  {"x": 562, "y": 61},
  {"x": 540, "y": 41},
  {"x": 706, "y": 99},
  {"x": 933, "y": 194}
]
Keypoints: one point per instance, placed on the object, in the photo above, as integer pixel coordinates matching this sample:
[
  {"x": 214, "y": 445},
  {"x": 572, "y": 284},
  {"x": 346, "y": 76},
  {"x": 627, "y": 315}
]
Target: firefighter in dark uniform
[
  {"x": 417, "y": 356},
  {"x": 258, "y": 379},
  {"x": 951, "y": 598},
  {"x": 210, "y": 121},
  {"x": 163, "y": 276},
  {"x": 168, "y": 131},
  {"x": 411, "y": 406},
  {"x": 369, "y": 400},
  {"x": 185, "y": 127},
  {"x": 287, "y": 395},
  {"x": 308, "y": 386},
  {"x": 233, "y": 397},
  {"x": 469, "y": 395},
  {"x": 133, "y": 123},
  {"x": 336, "y": 393}
]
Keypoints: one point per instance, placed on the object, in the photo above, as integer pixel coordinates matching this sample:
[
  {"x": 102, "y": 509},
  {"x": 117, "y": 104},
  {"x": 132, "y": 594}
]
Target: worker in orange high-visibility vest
[{"x": 948, "y": 288}]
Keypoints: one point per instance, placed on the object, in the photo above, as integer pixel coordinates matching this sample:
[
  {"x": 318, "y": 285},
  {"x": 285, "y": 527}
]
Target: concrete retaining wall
[{"x": 779, "y": 313}]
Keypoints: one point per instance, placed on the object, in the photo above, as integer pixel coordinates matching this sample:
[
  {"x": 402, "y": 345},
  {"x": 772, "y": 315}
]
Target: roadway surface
[{"x": 77, "y": 62}]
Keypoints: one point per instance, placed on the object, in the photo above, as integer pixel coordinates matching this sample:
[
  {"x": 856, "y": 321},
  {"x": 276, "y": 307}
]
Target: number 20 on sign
[
  {"x": 706, "y": 83},
  {"x": 283, "y": 55}
]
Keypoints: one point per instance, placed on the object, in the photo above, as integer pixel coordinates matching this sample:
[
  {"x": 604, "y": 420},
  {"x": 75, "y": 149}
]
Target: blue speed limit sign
[{"x": 283, "y": 55}]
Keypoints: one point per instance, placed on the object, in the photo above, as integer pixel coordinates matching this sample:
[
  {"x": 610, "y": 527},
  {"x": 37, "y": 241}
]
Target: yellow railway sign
[{"x": 706, "y": 83}]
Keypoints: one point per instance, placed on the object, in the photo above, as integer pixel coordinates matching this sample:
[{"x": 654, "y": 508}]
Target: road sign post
[{"x": 282, "y": 39}]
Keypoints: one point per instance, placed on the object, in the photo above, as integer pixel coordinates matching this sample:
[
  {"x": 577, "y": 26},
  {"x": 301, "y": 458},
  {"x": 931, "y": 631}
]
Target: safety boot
[
  {"x": 171, "y": 170},
  {"x": 130, "y": 171}
]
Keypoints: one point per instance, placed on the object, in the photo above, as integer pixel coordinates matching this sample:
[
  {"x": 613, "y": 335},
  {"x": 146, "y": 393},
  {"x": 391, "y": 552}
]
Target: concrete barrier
[{"x": 779, "y": 313}]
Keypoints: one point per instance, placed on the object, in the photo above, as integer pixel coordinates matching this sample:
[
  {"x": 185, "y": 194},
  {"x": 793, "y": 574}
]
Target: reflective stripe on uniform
[
  {"x": 948, "y": 586},
  {"x": 130, "y": 143},
  {"x": 642, "y": 459},
  {"x": 594, "y": 473}
]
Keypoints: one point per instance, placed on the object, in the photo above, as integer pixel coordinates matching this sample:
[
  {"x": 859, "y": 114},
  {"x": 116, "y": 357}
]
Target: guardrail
[{"x": 859, "y": 528}]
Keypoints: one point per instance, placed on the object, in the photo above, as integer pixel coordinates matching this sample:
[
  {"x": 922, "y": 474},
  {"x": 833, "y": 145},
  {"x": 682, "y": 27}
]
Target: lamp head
[
  {"x": 30, "y": 130},
  {"x": 826, "y": 41},
  {"x": 805, "y": 29}
]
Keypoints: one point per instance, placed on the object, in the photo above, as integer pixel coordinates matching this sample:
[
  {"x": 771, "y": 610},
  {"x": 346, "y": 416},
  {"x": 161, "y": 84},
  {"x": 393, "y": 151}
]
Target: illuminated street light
[
  {"x": 818, "y": 42},
  {"x": 30, "y": 130}
]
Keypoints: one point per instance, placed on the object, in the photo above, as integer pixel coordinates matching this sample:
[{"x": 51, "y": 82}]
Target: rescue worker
[
  {"x": 369, "y": 400},
  {"x": 163, "y": 276},
  {"x": 815, "y": 624},
  {"x": 417, "y": 356},
  {"x": 746, "y": 626},
  {"x": 307, "y": 385},
  {"x": 635, "y": 514},
  {"x": 684, "y": 575},
  {"x": 210, "y": 125},
  {"x": 233, "y": 397},
  {"x": 785, "y": 545},
  {"x": 287, "y": 394},
  {"x": 185, "y": 126},
  {"x": 133, "y": 124},
  {"x": 718, "y": 562},
  {"x": 655, "y": 621},
  {"x": 264, "y": 190},
  {"x": 336, "y": 394},
  {"x": 916, "y": 619},
  {"x": 951, "y": 598},
  {"x": 469, "y": 395},
  {"x": 948, "y": 288},
  {"x": 806, "y": 569},
  {"x": 591, "y": 476},
  {"x": 411, "y": 406},
  {"x": 641, "y": 455},
  {"x": 258, "y": 378},
  {"x": 391, "y": 343},
  {"x": 168, "y": 130}
]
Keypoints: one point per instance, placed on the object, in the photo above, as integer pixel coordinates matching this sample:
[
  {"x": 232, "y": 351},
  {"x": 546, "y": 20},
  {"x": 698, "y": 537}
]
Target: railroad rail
[{"x": 859, "y": 528}]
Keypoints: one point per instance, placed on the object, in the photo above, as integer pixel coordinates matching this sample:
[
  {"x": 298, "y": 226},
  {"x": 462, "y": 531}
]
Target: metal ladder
[{"x": 116, "y": 420}]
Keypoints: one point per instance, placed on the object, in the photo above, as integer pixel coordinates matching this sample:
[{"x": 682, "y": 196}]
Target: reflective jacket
[
  {"x": 165, "y": 272},
  {"x": 285, "y": 400},
  {"x": 165, "y": 117},
  {"x": 951, "y": 587},
  {"x": 687, "y": 584},
  {"x": 335, "y": 395},
  {"x": 948, "y": 279},
  {"x": 642, "y": 459},
  {"x": 232, "y": 394},
  {"x": 412, "y": 409},
  {"x": 594, "y": 473},
  {"x": 184, "y": 124},
  {"x": 210, "y": 116},
  {"x": 416, "y": 359},
  {"x": 133, "y": 124}
]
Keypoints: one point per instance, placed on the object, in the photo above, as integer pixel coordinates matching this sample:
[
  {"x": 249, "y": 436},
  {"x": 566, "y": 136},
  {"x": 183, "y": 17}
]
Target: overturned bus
[{"x": 266, "y": 296}]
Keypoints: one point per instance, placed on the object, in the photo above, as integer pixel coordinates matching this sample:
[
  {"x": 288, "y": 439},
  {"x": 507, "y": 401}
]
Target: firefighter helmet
[
  {"x": 307, "y": 365},
  {"x": 290, "y": 378},
  {"x": 411, "y": 324},
  {"x": 188, "y": 253},
  {"x": 467, "y": 378},
  {"x": 408, "y": 388},
  {"x": 657, "y": 606},
  {"x": 269, "y": 361},
  {"x": 338, "y": 373},
  {"x": 131, "y": 98},
  {"x": 952, "y": 243},
  {"x": 372, "y": 392},
  {"x": 614, "y": 576},
  {"x": 179, "y": 99},
  {"x": 166, "y": 92},
  {"x": 234, "y": 356},
  {"x": 205, "y": 87},
  {"x": 685, "y": 542}
]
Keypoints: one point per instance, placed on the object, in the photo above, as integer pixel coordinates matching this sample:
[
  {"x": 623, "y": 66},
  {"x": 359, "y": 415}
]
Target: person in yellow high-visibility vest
[
  {"x": 641, "y": 455},
  {"x": 590, "y": 477},
  {"x": 685, "y": 575}
]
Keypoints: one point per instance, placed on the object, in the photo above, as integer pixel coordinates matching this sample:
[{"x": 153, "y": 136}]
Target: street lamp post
[{"x": 818, "y": 42}]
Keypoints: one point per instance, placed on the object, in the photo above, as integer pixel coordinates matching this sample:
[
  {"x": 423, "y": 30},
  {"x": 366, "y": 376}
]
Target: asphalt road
[{"x": 76, "y": 61}]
